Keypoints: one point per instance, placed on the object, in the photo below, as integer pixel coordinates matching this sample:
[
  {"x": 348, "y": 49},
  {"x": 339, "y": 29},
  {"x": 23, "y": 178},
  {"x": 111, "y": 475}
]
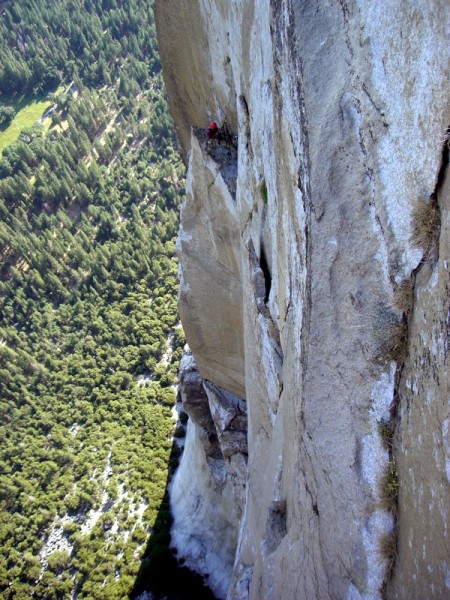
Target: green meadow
[{"x": 29, "y": 114}]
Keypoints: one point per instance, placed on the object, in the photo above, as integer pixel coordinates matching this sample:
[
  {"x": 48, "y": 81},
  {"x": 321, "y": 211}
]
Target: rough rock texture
[
  {"x": 423, "y": 444},
  {"x": 211, "y": 295},
  {"x": 194, "y": 47},
  {"x": 195, "y": 403},
  {"x": 288, "y": 282},
  {"x": 208, "y": 492}
]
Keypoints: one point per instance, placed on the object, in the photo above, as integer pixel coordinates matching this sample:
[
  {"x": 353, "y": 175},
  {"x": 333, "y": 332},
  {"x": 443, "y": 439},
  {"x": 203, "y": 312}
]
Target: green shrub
[
  {"x": 58, "y": 561},
  {"x": 389, "y": 488},
  {"x": 263, "y": 191}
]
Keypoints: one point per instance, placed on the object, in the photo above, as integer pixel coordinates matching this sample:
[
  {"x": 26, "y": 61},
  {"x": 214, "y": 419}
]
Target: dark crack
[{"x": 407, "y": 316}]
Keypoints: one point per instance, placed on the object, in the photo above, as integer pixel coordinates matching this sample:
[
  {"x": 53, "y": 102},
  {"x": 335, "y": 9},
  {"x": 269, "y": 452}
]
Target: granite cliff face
[{"x": 314, "y": 301}]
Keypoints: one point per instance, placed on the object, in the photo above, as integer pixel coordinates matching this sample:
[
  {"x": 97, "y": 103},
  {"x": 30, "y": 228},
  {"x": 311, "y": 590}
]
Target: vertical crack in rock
[
  {"x": 267, "y": 275},
  {"x": 258, "y": 278},
  {"x": 195, "y": 404},
  {"x": 294, "y": 251},
  {"x": 420, "y": 391}
]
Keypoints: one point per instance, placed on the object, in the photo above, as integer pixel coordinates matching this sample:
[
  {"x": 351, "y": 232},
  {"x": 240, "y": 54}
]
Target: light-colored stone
[
  {"x": 230, "y": 418},
  {"x": 423, "y": 445},
  {"x": 208, "y": 247},
  {"x": 341, "y": 109},
  {"x": 194, "y": 50},
  {"x": 208, "y": 489},
  {"x": 205, "y": 529},
  {"x": 195, "y": 404}
]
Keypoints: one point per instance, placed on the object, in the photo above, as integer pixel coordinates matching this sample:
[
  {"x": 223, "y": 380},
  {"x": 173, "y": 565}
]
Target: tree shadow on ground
[{"x": 160, "y": 572}]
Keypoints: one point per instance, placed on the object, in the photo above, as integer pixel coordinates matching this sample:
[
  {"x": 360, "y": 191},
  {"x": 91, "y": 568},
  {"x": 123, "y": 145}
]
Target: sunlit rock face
[
  {"x": 289, "y": 272},
  {"x": 208, "y": 491},
  {"x": 210, "y": 300},
  {"x": 423, "y": 441}
]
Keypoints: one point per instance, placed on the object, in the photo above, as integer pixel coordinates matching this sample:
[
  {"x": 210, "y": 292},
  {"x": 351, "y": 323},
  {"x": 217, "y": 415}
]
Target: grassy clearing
[{"x": 27, "y": 116}]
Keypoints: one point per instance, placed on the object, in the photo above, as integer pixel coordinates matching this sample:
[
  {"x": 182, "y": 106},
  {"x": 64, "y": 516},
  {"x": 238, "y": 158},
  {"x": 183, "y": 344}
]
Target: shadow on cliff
[{"x": 160, "y": 572}]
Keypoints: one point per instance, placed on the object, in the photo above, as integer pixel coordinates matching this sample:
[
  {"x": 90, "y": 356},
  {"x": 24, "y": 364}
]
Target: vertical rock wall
[
  {"x": 208, "y": 492},
  {"x": 210, "y": 271},
  {"x": 289, "y": 278},
  {"x": 422, "y": 567}
]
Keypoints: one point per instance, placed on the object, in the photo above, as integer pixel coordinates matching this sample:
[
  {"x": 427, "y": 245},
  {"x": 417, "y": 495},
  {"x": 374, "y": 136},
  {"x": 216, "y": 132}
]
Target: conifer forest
[{"x": 90, "y": 186}]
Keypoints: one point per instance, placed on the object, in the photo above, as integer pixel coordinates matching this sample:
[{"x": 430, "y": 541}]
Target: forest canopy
[{"x": 89, "y": 334}]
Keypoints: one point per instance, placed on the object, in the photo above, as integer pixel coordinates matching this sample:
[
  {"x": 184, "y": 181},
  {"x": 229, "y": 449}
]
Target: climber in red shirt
[{"x": 213, "y": 132}]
